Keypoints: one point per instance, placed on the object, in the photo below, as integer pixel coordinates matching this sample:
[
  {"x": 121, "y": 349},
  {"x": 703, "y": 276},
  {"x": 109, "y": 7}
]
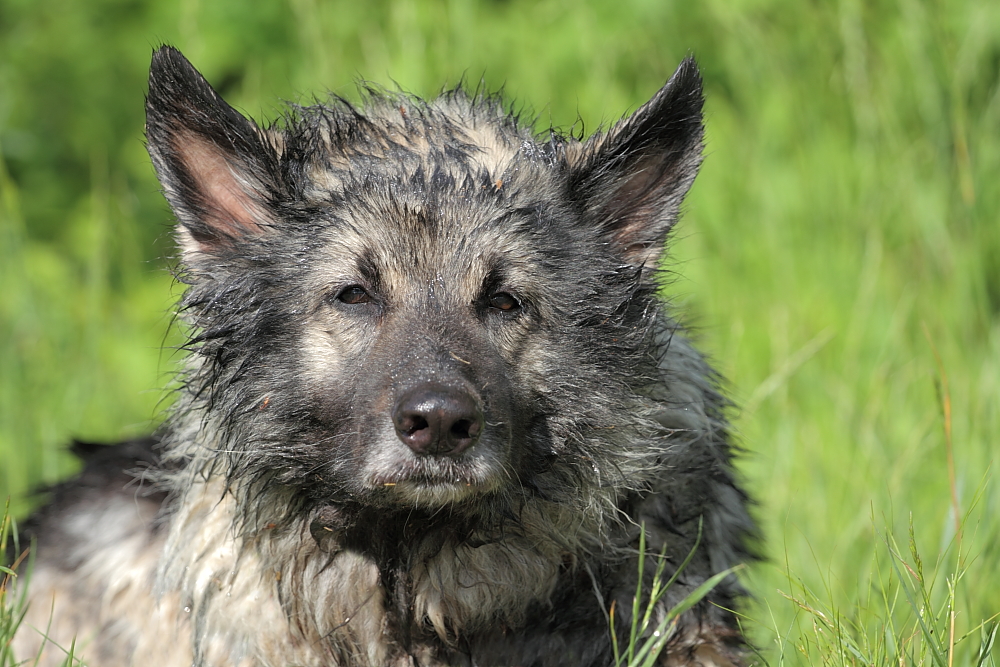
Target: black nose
[{"x": 433, "y": 419}]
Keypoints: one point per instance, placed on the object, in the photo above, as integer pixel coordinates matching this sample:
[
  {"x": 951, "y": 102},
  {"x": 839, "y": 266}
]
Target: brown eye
[
  {"x": 505, "y": 302},
  {"x": 353, "y": 294}
]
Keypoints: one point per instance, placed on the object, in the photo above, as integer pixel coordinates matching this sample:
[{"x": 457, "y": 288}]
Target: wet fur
[{"x": 282, "y": 522}]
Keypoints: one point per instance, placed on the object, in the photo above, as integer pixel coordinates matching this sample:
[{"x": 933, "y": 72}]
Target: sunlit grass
[
  {"x": 649, "y": 629},
  {"x": 911, "y": 614}
]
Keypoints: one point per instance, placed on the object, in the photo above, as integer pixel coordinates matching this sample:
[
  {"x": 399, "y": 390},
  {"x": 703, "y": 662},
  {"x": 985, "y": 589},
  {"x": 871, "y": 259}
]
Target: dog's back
[{"x": 97, "y": 544}]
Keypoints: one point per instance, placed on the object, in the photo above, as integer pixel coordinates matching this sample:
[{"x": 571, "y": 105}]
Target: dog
[{"x": 432, "y": 406}]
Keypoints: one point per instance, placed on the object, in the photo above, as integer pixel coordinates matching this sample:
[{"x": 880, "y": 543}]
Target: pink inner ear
[
  {"x": 640, "y": 211},
  {"x": 227, "y": 200}
]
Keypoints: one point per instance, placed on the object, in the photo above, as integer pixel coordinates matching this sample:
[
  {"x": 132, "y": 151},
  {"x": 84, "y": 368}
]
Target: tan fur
[
  {"x": 106, "y": 602},
  {"x": 491, "y": 583},
  {"x": 492, "y": 150}
]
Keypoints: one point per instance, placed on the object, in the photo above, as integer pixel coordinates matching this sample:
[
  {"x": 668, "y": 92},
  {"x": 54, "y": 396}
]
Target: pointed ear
[
  {"x": 631, "y": 181},
  {"x": 218, "y": 171}
]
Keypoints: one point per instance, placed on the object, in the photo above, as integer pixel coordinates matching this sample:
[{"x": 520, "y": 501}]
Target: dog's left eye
[
  {"x": 505, "y": 302},
  {"x": 353, "y": 294}
]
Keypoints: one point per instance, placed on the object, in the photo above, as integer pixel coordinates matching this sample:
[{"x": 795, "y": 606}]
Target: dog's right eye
[
  {"x": 505, "y": 302},
  {"x": 354, "y": 294}
]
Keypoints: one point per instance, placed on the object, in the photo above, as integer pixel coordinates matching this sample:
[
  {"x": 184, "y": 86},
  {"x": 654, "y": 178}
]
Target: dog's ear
[
  {"x": 218, "y": 170},
  {"x": 631, "y": 180}
]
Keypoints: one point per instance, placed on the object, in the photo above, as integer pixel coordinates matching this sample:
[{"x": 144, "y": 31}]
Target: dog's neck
[{"x": 382, "y": 581}]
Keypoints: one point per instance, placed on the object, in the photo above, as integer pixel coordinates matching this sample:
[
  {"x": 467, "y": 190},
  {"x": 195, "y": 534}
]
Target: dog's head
[{"x": 419, "y": 303}]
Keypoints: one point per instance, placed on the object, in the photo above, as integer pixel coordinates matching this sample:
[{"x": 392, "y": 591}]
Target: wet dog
[{"x": 431, "y": 399}]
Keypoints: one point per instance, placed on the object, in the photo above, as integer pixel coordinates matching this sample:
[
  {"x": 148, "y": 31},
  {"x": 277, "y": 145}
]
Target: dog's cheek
[
  {"x": 333, "y": 352},
  {"x": 329, "y": 378}
]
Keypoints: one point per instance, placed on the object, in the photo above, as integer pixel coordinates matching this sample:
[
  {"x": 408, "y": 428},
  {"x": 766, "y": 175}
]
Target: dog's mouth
[{"x": 433, "y": 480}]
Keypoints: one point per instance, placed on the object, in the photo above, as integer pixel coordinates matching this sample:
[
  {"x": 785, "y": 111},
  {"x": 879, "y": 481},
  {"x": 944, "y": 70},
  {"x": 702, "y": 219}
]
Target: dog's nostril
[
  {"x": 462, "y": 429},
  {"x": 415, "y": 424},
  {"x": 435, "y": 419}
]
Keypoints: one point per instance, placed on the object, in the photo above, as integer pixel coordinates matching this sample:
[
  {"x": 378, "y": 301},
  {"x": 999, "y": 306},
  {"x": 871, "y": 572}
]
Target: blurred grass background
[{"x": 843, "y": 231}]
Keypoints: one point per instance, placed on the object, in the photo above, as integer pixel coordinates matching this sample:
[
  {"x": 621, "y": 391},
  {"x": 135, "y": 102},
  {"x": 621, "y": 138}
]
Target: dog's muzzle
[{"x": 436, "y": 420}]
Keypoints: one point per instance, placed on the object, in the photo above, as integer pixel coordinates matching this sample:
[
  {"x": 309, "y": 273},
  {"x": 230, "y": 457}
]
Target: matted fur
[{"x": 335, "y": 264}]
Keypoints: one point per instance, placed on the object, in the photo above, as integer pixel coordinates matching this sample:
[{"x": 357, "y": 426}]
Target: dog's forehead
[
  {"x": 448, "y": 191},
  {"x": 409, "y": 242},
  {"x": 451, "y": 191},
  {"x": 397, "y": 138}
]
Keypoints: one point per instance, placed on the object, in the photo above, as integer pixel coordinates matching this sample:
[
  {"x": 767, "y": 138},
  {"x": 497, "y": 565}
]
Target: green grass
[
  {"x": 844, "y": 236},
  {"x": 14, "y": 583},
  {"x": 646, "y": 641}
]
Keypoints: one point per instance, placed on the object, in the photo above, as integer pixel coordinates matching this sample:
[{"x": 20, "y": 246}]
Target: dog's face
[
  {"x": 418, "y": 303},
  {"x": 426, "y": 330}
]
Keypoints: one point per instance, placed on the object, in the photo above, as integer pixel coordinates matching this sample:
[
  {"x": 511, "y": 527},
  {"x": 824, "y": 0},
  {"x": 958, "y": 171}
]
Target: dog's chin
[
  {"x": 425, "y": 494},
  {"x": 434, "y": 481}
]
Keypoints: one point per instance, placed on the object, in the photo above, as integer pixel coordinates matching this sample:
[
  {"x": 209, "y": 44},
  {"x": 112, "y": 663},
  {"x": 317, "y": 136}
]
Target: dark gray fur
[{"x": 297, "y": 528}]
